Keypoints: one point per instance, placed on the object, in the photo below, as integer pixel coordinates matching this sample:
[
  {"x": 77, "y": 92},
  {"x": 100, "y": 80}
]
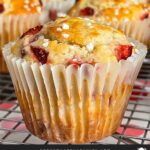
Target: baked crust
[
  {"x": 112, "y": 9},
  {"x": 130, "y": 16},
  {"x": 69, "y": 38}
]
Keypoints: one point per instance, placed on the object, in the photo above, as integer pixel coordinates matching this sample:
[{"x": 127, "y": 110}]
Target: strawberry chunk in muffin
[{"x": 55, "y": 43}]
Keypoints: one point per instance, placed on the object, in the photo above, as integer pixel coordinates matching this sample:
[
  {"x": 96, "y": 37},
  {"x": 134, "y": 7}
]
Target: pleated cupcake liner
[
  {"x": 138, "y": 30},
  {"x": 60, "y": 5},
  {"x": 11, "y": 27},
  {"x": 73, "y": 104}
]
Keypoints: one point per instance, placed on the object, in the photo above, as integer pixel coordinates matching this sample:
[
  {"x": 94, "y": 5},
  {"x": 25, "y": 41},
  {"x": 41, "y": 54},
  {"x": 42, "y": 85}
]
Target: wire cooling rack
[{"x": 135, "y": 127}]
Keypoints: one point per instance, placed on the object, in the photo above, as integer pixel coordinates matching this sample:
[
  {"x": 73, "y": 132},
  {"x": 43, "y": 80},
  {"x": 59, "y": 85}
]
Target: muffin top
[
  {"x": 14, "y": 7},
  {"x": 112, "y": 9},
  {"x": 119, "y": 3},
  {"x": 73, "y": 40},
  {"x": 133, "y": 11}
]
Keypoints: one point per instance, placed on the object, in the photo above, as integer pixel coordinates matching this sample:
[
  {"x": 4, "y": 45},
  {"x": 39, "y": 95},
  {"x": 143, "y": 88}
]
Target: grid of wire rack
[{"x": 13, "y": 131}]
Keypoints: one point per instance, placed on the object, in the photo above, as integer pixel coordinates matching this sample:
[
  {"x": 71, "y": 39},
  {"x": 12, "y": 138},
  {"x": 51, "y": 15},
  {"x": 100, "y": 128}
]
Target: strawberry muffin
[
  {"x": 73, "y": 78},
  {"x": 16, "y": 16},
  {"x": 132, "y": 17}
]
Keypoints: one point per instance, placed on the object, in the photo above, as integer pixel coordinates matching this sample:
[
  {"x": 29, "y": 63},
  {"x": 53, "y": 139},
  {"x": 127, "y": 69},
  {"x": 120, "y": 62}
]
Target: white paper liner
[
  {"x": 139, "y": 30},
  {"x": 11, "y": 27},
  {"x": 62, "y": 7},
  {"x": 73, "y": 105}
]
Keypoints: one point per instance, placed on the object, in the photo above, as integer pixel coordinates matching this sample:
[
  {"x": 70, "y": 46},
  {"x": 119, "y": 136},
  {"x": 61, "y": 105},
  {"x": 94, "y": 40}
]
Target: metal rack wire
[{"x": 136, "y": 119}]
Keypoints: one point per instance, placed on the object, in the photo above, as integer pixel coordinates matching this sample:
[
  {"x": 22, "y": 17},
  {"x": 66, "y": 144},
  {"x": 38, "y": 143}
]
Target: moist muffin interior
[{"x": 73, "y": 41}]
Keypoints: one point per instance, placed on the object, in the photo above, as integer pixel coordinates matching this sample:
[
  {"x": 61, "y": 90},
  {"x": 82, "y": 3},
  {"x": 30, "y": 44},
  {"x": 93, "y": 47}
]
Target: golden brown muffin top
[
  {"x": 112, "y": 9},
  {"x": 121, "y": 3},
  {"x": 73, "y": 41},
  {"x": 132, "y": 12},
  {"x": 15, "y": 7}
]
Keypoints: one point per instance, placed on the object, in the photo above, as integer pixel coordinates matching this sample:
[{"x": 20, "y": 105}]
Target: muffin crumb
[
  {"x": 65, "y": 26},
  {"x": 59, "y": 29},
  {"x": 90, "y": 47},
  {"x": 65, "y": 35}
]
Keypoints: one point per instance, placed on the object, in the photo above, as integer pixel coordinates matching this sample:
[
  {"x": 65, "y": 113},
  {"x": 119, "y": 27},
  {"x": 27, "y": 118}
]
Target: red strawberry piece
[
  {"x": 40, "y": 54},
  {"x": 88, "y": 11},
  {"x": 1, "y": 8},
  {"x": 123, "y": 51},
  {"x": 41, "y": 3},
  {"x": 32, "y": 31},
  {"x": 145, "y": 15},
  {"x": 23, "y": 52},
  {"x": 74, "y": 61},
  {"x": 52, "y": 14}
]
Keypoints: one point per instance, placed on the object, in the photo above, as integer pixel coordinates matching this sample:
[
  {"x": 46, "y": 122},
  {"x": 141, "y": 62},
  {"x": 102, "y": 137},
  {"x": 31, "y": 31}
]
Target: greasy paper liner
[
  {"x": 138, "y": 30},
  {"x": 62, "y": 6},
  {"x": 73, "y": 104},
  {"x": 11, "y": 27}
]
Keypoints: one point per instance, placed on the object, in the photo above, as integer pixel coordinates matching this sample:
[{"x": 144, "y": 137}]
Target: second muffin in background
[
  {"x": 52, "y": 9},
  {"x": 73, "y": 78},
  {"x": 16, "y": 17},
  {"x": 130, "y": 16}
]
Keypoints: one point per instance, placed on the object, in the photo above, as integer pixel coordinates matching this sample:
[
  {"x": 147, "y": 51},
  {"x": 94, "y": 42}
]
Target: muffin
[
  {"x": 132, "y": 17},
  {"x": 73, "y": 78},
  {"x": 54, "y": 8},
  {"x": 16, "y": 16}
]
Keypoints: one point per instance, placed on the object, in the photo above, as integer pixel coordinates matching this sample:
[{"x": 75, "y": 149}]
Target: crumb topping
[{"x": 71, "y": 40}]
